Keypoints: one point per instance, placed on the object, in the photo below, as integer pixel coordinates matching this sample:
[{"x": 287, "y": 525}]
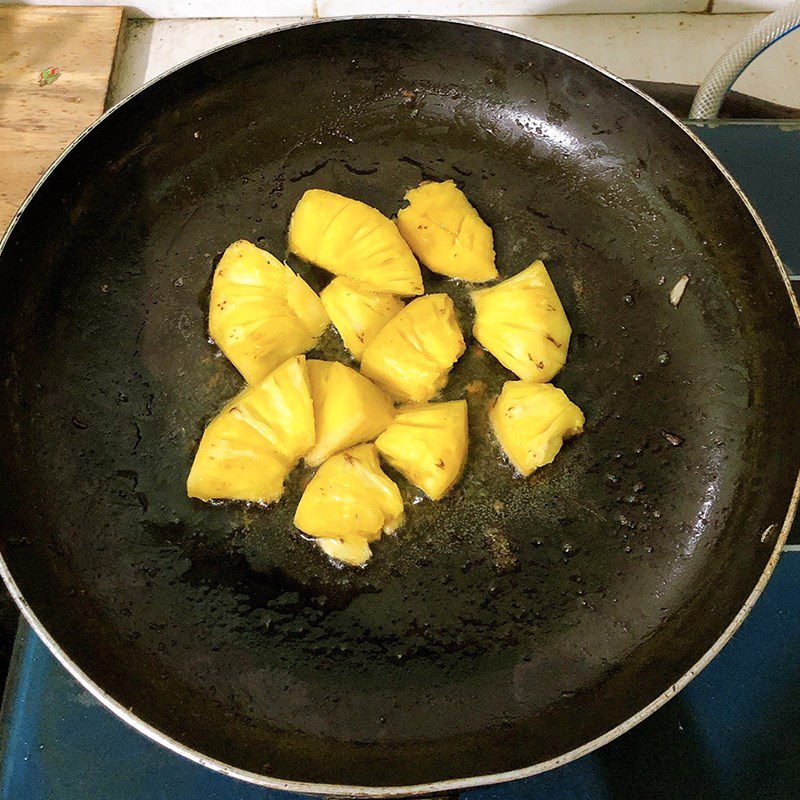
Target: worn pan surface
[{"x": 503, "y": 628}]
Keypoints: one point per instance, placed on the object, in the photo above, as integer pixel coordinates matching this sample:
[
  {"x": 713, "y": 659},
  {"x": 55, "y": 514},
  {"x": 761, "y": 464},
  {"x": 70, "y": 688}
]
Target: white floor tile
[
  {"x": 183, "y": 9},
  {"x": 677, "y": 48},
  {"x": 151, "y": 47},
  {"x": 746, "y": 6},
  {"x": 463, "y": 8}
]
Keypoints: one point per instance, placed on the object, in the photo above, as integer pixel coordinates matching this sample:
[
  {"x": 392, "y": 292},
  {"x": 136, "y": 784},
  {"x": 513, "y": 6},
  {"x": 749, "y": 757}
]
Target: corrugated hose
[{"x": 739, "y": 56}]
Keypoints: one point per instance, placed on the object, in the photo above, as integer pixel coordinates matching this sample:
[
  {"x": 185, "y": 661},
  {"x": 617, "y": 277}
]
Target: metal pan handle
[{"x": 735, "y": 60}]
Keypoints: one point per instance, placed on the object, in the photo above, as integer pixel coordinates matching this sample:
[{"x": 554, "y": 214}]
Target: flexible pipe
[{"x": 738, "y": 57}]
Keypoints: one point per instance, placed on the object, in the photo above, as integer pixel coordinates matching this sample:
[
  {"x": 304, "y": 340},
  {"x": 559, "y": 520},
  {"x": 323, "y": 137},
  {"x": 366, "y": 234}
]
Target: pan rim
[{"x": 455, "y": 784}]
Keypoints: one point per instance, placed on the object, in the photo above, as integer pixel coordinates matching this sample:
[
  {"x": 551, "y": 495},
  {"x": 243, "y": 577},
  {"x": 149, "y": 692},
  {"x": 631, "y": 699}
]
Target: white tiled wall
[{"x": 286, "y": 8}]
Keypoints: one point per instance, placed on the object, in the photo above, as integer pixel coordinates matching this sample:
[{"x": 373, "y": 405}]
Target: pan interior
[{"x": 511, "y": 622}]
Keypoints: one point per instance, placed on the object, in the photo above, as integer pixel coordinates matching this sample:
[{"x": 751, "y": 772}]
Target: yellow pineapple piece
[
  {"x": 531, "y": 421},
  {"x": 348, "y": 409},
  {"x": 260, "y": 312},
  {"x": 446, "y": 233},
  {"x": 357, "y": 312},
  {"x": 522, "y": 323},
  {"x": 234, "y": 463},
  {"x": 412, "y": 354},
  {"x": 428, "y": 445},
  {"x": 347, "y": 237},
  {"x": 281, "y": 409},
  {"x": 248, "y": 449},
  {"x": 354, "y": 551},
  {"x": 350, "y": 500}
]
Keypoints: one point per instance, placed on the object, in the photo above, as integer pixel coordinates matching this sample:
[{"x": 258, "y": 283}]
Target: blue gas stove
[{"x": 733, "y": 733}]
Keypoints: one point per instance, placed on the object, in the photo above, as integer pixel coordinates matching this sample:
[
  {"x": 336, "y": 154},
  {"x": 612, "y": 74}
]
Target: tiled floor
[{"x": 677, "y": 48}]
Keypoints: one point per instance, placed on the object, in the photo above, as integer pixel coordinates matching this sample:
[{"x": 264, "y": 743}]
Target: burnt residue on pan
[{"x": 533, "y": 614}]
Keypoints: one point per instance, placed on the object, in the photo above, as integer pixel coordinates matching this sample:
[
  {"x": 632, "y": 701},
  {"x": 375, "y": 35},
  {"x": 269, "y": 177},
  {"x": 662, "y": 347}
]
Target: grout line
[
  {"x": 791, "y": 548},
  {"x": 794, "y": 277}
]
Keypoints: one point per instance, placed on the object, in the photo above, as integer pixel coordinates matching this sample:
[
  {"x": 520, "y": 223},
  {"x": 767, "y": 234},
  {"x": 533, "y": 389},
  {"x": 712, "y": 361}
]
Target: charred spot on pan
[
  {"x": 503, "y": 558},
  {"x": 359, "y": 170}
]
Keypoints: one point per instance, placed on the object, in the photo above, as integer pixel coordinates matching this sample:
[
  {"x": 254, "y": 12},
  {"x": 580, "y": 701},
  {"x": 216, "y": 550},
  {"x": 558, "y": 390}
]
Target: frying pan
[{"x": 516, "y": 624}]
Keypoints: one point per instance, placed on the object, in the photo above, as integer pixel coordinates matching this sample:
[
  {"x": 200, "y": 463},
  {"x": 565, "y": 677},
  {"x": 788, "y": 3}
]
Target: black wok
[{"x": 507, "y": 629}]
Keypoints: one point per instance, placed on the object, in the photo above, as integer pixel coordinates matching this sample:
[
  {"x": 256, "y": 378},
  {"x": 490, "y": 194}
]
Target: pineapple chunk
[
  {"x": 347, "y": 237},
  {"x": 281, "y": 409},
  {"x": 234, "y": 463},
  {"x": 522, "y": 323},
  {"x": 357, "y": 312},
  {"x": 261, "y": 312},
  {"x": 354, "y": 551},
  {"x": 413, "y": 354},
  {"x": 446, "y": 233},
  {"x": 350, "y": 500},
  {"x": 531, "y": 421},
  {"x": 428, "y": 445},
  {"x": 248, "y": 449},
  {"x": 348, "y": 409}
]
